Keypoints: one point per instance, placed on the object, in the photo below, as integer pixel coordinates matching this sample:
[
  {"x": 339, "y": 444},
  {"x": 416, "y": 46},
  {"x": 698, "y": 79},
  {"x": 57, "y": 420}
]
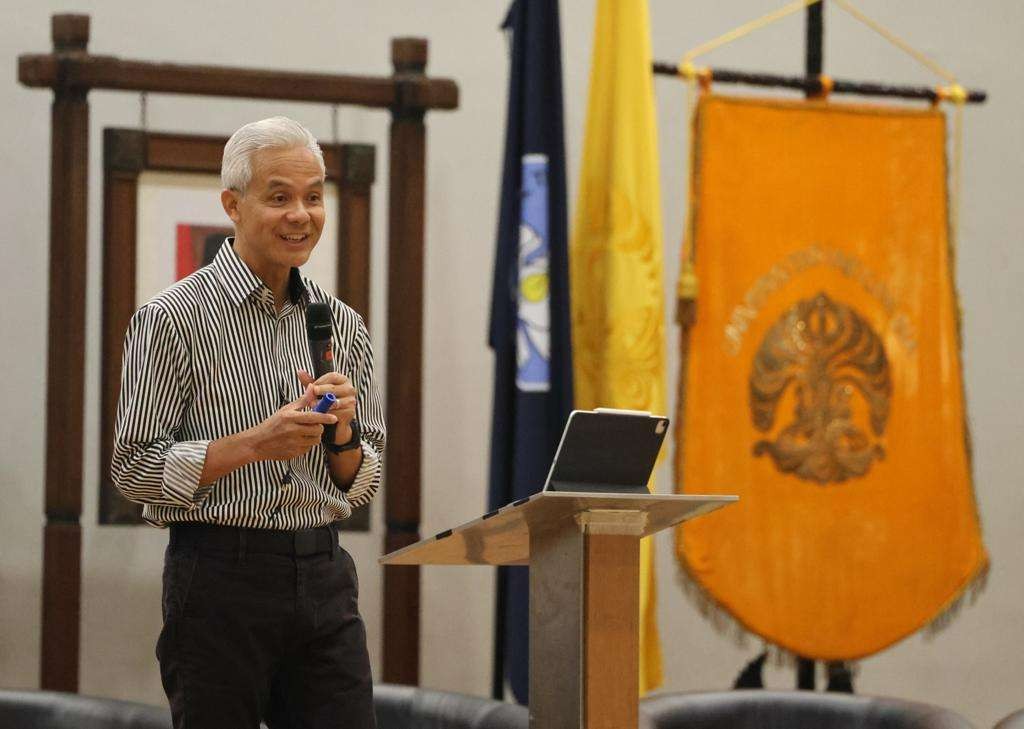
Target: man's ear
[{"x": 230, "y": 199}]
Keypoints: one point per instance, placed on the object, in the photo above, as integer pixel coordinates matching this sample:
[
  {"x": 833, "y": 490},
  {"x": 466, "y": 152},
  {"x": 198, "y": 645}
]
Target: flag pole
[
  {"x": 813, "y": 85},
  {"x": 813, "y": 67},
  {"x": 814, "y": 59}
]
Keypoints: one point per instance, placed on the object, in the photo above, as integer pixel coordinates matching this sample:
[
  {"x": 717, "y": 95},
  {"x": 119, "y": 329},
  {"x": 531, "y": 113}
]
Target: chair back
[
  {"x": 55, "y": 710},
  {"x": 409, "y": 707},
  {"x": 758, "y": 709},
  {"x": 1013, "y": 721}
]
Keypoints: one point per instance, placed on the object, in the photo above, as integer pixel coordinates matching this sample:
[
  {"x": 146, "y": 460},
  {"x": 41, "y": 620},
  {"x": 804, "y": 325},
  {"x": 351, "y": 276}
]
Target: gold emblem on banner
[{"x": 828, "y": 357}]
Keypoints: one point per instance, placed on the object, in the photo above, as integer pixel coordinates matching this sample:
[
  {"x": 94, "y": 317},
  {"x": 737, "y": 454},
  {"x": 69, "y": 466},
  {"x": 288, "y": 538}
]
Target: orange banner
[{"x": 822, "y": 376}]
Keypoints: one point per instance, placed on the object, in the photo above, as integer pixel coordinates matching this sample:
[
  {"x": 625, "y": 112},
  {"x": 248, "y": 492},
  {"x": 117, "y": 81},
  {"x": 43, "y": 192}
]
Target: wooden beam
[{"x": 109, "y": 72}]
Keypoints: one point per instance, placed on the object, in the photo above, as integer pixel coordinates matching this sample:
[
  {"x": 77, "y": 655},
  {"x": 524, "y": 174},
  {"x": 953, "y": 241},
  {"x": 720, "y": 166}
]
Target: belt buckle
[{"x": 305, "y": 542}]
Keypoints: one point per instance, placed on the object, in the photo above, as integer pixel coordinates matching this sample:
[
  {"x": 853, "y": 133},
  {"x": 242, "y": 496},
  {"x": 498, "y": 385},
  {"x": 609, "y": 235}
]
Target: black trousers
[{"x": 262, "y": 626}]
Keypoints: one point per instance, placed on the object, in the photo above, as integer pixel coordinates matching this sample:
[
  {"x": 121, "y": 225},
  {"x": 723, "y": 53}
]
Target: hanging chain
[{"x": 144, "y": 111}]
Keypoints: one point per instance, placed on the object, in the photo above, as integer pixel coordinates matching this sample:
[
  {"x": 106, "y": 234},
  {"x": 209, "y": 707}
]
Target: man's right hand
[{"x": 291, "y": 431}]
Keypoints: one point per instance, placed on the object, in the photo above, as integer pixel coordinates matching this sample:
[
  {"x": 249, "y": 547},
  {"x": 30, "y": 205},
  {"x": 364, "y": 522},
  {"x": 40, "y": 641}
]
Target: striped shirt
[{"x": 211, "y": 356}]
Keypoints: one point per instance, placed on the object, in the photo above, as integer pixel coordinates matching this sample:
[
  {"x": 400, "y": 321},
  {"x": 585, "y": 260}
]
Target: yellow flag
[
  {"x": 615, "y": 254},
  {"x": 823, "y": 383}
]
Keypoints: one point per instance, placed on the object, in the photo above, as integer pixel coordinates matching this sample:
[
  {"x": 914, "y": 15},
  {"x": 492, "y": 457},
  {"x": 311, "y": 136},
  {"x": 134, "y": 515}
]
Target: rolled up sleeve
[
  {"x": 370, "y": 414},
  {"x": 150, "y": 465}
]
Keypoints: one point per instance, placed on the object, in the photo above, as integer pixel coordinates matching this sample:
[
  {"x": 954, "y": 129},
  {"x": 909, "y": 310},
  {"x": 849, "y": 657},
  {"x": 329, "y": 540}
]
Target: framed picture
[{"x": 162, "y": 220}]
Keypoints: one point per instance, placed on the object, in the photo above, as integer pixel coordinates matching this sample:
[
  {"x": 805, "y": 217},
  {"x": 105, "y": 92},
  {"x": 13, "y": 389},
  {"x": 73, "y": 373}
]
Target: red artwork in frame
[{"x": 197, "y": 246}]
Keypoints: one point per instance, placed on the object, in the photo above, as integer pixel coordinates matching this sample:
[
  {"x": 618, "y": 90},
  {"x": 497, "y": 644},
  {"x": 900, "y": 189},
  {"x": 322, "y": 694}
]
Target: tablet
[{"x": 607, "y": 451}]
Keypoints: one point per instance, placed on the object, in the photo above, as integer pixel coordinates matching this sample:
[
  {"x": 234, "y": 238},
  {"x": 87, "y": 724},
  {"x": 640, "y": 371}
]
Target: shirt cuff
[
  {"x": 367, "y": 479},
  {"x": 183, "y": 465}
]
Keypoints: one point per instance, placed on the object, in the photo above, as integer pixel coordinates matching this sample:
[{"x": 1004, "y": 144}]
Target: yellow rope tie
[
  {"x": 896, "y": 40},
  {"x": 955, "y": 182},
  {"x": 688, "y": 287},
  {"x": 827, "y": 84},
  {"x": 686, "y": 64},
  {"x": 954, "y": 93},
  {"x": 688, "y": 72},
  {"x": 746, "y": 29}
]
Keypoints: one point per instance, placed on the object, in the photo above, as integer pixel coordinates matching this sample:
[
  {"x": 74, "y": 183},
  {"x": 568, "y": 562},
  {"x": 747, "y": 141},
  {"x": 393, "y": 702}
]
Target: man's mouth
[{"x": 296, "y": 238}]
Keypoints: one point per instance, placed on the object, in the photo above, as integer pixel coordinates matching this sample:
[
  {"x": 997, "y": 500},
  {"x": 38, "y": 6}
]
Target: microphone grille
[{"x": 318, "y": 321}]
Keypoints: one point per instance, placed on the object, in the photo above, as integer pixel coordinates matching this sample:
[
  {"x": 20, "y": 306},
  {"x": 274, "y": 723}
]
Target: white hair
[{"x": 275, "y": 132}]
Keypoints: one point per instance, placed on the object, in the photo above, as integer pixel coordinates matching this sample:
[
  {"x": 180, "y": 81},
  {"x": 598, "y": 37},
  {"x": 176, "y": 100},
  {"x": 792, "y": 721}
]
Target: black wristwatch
[{"x": 353, "y": 442}]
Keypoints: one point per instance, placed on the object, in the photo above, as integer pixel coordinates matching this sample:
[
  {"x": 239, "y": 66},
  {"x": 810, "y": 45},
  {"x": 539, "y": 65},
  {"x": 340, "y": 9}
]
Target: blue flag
[{"x": 530, "y": 306}]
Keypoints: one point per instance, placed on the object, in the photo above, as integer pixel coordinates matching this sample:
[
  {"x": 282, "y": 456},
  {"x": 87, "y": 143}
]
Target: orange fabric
[{"x": 823, "y": 381}]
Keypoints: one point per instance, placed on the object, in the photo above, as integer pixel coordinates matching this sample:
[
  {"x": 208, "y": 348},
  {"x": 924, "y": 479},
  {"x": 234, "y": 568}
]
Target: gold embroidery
[{"x": 826, "y": 353}]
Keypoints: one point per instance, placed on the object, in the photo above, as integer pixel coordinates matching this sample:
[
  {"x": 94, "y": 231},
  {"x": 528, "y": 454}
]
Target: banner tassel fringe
[{"x": 725, "y": 624}]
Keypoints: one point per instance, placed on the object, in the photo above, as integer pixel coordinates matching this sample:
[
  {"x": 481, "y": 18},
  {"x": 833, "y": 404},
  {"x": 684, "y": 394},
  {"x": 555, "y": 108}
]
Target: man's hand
[
  {"x": 292, "y": 431},
  {"x": 345, "y": 406}
]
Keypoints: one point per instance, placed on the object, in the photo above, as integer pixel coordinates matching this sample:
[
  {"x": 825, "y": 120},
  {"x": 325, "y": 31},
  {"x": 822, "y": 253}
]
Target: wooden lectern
[{"x": 583, "y": 550}]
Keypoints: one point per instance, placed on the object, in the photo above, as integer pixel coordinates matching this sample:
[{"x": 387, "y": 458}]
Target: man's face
[{"x": 279, "y": 218}]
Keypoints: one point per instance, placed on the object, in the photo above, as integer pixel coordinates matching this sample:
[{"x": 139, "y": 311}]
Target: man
[{"x": 215, "y": 436}]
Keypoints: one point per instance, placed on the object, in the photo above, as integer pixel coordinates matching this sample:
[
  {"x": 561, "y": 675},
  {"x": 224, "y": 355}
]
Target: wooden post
[
  {"x": 124, "y": 158},
  {"x": 358, "y": 170},
  {"x": 406, "y": 183},
  {"x": 65, "y": 382}
]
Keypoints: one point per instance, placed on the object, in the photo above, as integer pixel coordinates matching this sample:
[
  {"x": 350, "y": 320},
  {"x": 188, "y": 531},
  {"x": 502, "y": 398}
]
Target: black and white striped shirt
[{"x": 211, "y": 356}]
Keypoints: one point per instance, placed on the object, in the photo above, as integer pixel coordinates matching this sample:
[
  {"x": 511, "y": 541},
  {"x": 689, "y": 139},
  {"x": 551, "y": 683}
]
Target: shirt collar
[{"x": 240, "y": 282}]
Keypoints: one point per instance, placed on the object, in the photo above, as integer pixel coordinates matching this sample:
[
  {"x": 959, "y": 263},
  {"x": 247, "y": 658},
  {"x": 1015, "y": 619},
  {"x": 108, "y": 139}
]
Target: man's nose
[{"x": 298, "y": 213}]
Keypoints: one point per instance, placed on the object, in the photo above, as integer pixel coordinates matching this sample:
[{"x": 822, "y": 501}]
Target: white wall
[{"x": 973, "y": 666}]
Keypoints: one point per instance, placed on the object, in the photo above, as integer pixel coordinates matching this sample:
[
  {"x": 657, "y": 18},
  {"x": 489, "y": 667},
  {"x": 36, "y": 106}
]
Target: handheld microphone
[{"x": 319, "y": 328}]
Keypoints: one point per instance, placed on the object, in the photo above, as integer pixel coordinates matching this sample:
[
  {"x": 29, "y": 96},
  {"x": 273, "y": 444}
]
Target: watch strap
[{"x": 352, "y": 443}]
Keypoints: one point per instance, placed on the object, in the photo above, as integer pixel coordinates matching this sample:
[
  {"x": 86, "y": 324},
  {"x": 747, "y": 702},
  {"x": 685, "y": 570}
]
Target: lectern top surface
[{"x": 502, "y": 537}]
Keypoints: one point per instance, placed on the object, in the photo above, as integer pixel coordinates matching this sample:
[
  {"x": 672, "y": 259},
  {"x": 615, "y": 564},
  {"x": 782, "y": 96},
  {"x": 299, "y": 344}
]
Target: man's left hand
[{"x": 345, "y": 407}]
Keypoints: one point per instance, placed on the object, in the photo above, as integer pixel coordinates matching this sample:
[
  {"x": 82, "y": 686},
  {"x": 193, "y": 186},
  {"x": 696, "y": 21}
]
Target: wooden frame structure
[
  {"x": 129, "y": 152},
  {"x": 72, "y": 72}
]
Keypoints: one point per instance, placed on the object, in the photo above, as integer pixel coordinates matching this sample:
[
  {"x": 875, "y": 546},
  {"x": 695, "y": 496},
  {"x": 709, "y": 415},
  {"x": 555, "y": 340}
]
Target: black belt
[{"x": 298, "y": 543}]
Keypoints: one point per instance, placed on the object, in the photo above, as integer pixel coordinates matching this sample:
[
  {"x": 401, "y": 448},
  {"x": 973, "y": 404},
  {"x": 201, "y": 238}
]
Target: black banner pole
[{"x": 815, "y": 40}]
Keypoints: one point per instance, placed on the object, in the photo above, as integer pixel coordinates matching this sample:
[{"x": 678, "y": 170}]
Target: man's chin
[
  {"x": 297, "y": 256},
  {"x": 298, "y": 260}
]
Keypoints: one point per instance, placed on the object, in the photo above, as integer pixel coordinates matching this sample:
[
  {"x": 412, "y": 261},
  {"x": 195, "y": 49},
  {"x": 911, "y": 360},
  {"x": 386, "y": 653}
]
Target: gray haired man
[{"x": 215, "y": 436}]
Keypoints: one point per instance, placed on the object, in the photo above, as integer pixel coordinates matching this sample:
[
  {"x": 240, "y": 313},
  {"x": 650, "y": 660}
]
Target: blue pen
[{"x": 325, "y": 403}]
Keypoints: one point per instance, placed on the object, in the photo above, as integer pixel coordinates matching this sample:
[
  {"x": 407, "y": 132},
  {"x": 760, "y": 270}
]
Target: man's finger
[
  {"x": 311, "y": 417},
  {"x": 339, "y": 391},
  {"x": 304, "y": 377},
  {"x": 331, "y": 378},
  {"x": 307, "y": 400}
]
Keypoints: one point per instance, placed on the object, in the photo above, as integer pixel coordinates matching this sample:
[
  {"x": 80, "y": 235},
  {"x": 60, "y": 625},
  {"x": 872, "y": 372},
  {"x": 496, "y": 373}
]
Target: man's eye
[
  {"x": 315, "y": 197},
  {"x": 279, "y": 198}
]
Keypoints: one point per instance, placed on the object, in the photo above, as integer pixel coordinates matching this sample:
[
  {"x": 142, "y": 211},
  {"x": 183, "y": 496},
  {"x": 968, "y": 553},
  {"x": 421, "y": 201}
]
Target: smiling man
[{"x": 215, "y": 436}]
